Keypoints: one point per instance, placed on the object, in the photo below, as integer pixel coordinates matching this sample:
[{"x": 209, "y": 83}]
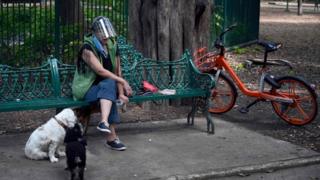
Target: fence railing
[{"x": 31, "y": 30}]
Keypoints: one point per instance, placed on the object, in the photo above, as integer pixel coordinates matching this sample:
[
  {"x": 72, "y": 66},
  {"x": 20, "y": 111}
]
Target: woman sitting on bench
[{"x": 98, "y": 77}]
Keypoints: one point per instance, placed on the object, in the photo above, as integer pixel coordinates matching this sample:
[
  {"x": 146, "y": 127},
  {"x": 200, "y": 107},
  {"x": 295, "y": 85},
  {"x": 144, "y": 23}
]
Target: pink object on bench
[{"x": 149, "y": 87}]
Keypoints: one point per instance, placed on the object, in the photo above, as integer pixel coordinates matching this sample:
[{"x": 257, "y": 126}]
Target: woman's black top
[{"x": 106, "y": 62}]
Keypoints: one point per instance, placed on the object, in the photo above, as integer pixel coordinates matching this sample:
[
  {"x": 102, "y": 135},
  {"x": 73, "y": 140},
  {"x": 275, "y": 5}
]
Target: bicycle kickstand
[{"x": 245, "y": 110}]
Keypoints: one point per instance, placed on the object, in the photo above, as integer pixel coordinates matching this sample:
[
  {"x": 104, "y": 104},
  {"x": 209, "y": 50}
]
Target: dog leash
[{"x": 60, "y": 123}]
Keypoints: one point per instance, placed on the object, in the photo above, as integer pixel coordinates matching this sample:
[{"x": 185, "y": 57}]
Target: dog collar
[{"x": 60, "y": 123}]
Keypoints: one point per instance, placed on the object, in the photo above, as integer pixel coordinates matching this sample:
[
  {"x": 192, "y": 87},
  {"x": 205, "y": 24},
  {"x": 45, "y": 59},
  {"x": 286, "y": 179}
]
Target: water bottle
[{"x": 121, "y": 104}]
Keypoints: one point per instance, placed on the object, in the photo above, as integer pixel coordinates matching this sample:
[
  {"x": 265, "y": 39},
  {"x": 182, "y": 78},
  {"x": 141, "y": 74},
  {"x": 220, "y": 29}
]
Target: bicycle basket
[{"x": 203, "y": 60}]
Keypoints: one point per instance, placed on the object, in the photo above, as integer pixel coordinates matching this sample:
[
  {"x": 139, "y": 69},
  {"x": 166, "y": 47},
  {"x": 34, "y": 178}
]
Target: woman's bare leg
[
  {"x": 105, "y": 112},
  {"x": 105, "y": 106},
  {"x": 112, "y": 136}
]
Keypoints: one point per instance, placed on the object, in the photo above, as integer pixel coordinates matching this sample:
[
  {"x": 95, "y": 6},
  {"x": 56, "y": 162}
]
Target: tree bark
[
  {"x": 287, "y": 6},
  {"x": 71, "y": 12},
  {"x": 134, "y": 22},
  {"x": 300, "y": 8},
  {"x": 163, "y": 29}
]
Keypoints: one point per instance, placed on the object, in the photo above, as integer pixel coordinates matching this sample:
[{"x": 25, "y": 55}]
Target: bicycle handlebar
[
  {"x": 218, "y": 43},
  {"x": 231, "y": 27}
]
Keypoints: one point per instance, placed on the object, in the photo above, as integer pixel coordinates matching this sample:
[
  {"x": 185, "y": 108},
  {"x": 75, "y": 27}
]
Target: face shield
[{"x": 103, "y": 28}]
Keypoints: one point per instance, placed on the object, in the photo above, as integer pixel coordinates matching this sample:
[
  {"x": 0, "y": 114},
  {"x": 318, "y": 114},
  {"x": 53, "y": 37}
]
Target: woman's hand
[
  {"x": 127, "y": 88},
  {"x": 123, "y": 98}
]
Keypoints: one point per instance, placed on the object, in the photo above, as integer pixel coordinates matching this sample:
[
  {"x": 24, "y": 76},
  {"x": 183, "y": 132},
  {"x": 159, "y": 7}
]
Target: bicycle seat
[{"x": 270, "y": 46}]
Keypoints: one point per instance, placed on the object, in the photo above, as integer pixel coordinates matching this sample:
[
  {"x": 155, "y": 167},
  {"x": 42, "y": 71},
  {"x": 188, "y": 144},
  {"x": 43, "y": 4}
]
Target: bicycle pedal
[
  {"x": 247, "y": 64},
  {"x": 284, "y": 107},
  {"x": 270, "y": 80},
  {"x": 243, "y": 110}
]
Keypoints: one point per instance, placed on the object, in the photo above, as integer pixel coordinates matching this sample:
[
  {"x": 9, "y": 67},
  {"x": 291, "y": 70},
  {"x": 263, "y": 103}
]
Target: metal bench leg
[
  {"x": 86, "y": 125},
  {"x": 192, "y": 113},
  {"x": 210, "y": 125}
]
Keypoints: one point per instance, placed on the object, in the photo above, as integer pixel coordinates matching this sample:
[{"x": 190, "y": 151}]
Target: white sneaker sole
[
  {"x": 104, "y": 130},
  {"x": 116, "y": 149},
  {"x": 119, "y": 149}
]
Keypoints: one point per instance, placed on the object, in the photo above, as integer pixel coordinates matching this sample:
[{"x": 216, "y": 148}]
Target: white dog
[{"x": 46, "y": 140}]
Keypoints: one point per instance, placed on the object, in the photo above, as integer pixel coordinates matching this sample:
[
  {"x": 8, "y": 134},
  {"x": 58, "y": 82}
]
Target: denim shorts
[{"x": 106, "y": 89}]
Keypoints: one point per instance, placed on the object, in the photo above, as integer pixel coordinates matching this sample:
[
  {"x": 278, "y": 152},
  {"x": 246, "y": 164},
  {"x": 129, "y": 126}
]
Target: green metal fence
[
  {"x": 31, "y": 30},
  {"x": 246, "y": 13}
]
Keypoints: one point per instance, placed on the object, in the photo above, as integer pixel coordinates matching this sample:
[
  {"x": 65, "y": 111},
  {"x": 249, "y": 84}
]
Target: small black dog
[{"x": 75, "y": 151}]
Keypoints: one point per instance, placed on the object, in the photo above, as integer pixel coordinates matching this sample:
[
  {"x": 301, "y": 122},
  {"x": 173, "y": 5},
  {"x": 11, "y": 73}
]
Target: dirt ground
[{"x": 300, "y": 36}]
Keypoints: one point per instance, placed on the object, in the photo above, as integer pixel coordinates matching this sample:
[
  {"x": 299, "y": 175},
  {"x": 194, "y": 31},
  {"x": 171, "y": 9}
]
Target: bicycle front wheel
[
  {"x": 304, "y": 108},
  {"x": 223, "y": 96}
]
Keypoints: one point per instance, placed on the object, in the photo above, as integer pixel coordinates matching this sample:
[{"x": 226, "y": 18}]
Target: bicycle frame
[
  {"x": 295, "y": 107},
  {"x": 221, "y": 63}
]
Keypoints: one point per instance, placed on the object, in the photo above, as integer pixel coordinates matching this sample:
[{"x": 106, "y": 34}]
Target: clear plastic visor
[{"x": 104, "y": 29}]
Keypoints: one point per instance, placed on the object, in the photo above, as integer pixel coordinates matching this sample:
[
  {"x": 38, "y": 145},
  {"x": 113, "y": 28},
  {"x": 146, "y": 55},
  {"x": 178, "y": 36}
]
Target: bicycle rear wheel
[
  {"x": 304, "y": 108},
  {"x": 223, "y": 96}
]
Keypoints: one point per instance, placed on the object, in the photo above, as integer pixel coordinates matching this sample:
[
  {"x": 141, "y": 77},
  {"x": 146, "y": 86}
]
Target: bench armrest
[{"x": 204, "y": 80}]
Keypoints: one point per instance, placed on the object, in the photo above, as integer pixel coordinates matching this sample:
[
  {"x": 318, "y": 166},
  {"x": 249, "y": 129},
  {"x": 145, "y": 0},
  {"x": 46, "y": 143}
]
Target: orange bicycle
[{"x": 292, "y": 98}]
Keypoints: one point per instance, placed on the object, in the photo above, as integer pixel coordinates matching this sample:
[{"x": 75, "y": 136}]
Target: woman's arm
[
  {"x": 122, "y": 87},
  {"x": 92, "y": 61}
]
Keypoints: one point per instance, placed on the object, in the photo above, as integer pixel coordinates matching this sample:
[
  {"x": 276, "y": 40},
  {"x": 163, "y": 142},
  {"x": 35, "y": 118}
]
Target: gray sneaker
[
  {"x": 103, "y": 127},
  {"x": 116, "y": 145}
]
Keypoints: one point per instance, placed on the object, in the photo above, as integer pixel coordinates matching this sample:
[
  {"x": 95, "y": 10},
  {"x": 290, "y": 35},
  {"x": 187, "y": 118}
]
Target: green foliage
[
  {"x": 27, "y": 33},
  {"x": 216, "y": 22},
  {"x": 70, "y": 42},
  {"x": 114, "y": 10},
  {"x": 246, "y": 50},
  {"x": 239, "y": 67},
  {"x": 239, "y": 50}
]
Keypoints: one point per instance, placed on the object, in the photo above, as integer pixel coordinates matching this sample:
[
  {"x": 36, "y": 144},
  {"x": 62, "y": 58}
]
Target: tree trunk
[
  {"x": 300, "y": 8},
  {"x": 71, "y": 12},
  {"x": 163, "y": 29},
  {"x": 287, "y": 6}
]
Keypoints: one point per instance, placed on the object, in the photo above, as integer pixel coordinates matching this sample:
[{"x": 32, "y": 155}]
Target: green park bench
[{"x": 49, "y": 86}]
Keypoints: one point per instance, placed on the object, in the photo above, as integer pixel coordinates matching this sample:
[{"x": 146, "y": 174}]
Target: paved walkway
[
  {"x": 307, "y": 7},
  {"x": 171, "y": 150}
]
